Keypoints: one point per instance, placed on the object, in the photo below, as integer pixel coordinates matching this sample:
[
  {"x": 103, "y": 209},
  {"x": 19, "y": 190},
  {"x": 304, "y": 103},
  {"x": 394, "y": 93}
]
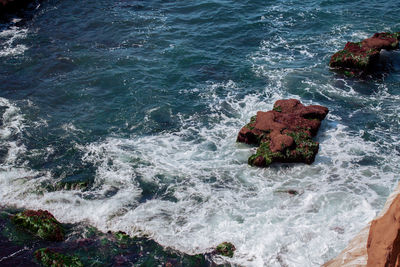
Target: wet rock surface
[
  {"x": 73, "y": 182},
  {"x": 284, "y": 134},
  {"x": 362, "y": 57},
  {"x": 225, "y": 249},
  {"x": 39, "y": 223},
  {"x": 49, "y": 257},
  {"x": 84, "y": 245}
]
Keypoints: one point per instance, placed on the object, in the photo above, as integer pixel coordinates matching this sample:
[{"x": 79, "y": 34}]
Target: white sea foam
[
  {"x": 202, "y": 192},
  {"x": 218, "y": 197},
  {"x": 9, "y": 41},
  {"x": 214, "y": 196},
  {"x": 10, "y": 131}
]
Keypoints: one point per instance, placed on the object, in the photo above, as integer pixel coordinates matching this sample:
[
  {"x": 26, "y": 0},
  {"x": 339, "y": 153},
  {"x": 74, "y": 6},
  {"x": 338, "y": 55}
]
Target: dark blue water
[{"x": 143, "y": 101}]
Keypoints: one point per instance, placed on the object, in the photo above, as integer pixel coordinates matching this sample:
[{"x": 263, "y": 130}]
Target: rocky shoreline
[
  {"x": 36, "y": 238},
  {"x": 377, "y": 244},
  {"x": 284, "y": 134}
]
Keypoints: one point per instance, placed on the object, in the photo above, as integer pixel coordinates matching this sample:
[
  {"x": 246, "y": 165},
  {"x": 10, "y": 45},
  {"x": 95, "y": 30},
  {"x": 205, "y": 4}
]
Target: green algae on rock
[
  {"x": 225, "y": 249},
  {"x": 49, "y": 257},
  {"x": 95, "y": 248},
  {"x": 156, "y": 255},
  {"x": 284, "y": 134},
  {"x": 360, "y": 57},
  {"x": 40, "y": 223},
  {"x": 87, "y": 245}
]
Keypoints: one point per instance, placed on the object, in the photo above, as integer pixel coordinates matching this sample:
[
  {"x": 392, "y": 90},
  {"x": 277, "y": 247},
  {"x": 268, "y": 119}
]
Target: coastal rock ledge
[
  {"x": 378, "y": 244},
  {"x": 284, "y": 134}
]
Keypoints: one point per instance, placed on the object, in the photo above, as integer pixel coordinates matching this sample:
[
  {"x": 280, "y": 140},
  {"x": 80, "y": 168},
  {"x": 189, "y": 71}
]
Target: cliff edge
[{"x": 378, "y": 243}]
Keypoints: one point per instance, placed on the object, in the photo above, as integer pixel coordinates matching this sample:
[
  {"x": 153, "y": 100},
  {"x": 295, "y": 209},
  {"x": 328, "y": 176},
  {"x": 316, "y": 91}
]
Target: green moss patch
[
  {"x": 48, "y": 257},
  {"x": 360, "y": 57},
  {"x": 85, "y": 245},
  {"x": 39, "y": 223},
  {"x": 225, "y": 249},
  {"x": 277, "y": 108},
  {"x": 305, "y": 151},
  {"x": 284, "y": 134}
]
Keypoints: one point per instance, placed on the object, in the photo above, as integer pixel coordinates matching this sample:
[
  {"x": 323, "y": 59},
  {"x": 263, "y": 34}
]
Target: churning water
[{"x": 144, "y": 99}]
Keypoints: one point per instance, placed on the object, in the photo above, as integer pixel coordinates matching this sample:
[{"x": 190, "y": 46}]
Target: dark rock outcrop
[
  {"x": 84, "y": 245},
  {"x": 10, "y": 6},
  {"x": 40, "y": 223},
  {"x": 284, "y": 133},
  {"x": 49, "y": 257},
  {"x": 361, "y": 57},
  {"x": 74, "y": 182}
]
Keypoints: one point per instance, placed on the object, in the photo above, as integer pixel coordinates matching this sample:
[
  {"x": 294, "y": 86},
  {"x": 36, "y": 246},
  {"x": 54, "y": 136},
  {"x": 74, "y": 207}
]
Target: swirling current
[{"x": 144, "y": 99}]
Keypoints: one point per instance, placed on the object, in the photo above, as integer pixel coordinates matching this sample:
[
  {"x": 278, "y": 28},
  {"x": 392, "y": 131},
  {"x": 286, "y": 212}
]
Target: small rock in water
[
  {"x": 74, "y": 182},
  {"x": 225, "y": 249},
  {"x": 288, "y": 191},
  {"x": 292, "y": 192},
  {"x": 284, "y": 133}
]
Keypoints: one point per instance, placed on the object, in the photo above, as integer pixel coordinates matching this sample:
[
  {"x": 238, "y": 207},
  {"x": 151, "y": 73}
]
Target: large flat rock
[
  {"x": 284, "y": 134},
  {"x": 362, "y": 57}
]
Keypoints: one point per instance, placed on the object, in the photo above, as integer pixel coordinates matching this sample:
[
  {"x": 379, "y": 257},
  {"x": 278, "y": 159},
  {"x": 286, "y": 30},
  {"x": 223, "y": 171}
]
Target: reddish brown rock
[
  {"x": 383, "y": 245},
  {"x": 284, "y": 133},
  {"x": 280, "y": 142},
  {"x": 378, "y": 243},
  {"x": 360, "y": 57}
]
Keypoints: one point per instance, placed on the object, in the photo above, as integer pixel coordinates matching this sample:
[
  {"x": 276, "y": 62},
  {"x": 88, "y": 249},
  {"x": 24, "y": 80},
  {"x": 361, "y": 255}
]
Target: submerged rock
[
  {"x": 360, "y": 57},
  {"x": 225, "y": 249},
  {"x": 40, "y": 223},
  {"x": 49, "y": 257},
  {"x": 74, "y": 182},
  {"x": 292, "y": 192},
  {"x": 284, "y": 133}
]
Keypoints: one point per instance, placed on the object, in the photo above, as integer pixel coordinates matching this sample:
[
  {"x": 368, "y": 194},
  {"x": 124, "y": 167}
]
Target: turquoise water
[{"x": 144, "y": 100}]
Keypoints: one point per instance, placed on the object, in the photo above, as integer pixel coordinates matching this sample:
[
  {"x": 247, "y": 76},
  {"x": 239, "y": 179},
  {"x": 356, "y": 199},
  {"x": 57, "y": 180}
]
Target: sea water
[{"x": 144, "y": 100}]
